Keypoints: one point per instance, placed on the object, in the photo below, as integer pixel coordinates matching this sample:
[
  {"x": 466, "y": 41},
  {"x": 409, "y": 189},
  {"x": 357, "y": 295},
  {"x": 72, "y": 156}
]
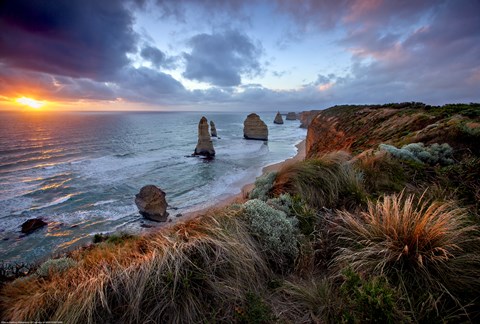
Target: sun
[{"x": 32, "y": 103}]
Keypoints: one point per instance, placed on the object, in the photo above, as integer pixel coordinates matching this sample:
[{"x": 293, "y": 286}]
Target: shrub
[
  {"x": 329, "y": 181},
  {"x": 370, "y": 301},
  {"x": 273, "y": 229},
  {"x": 430, "y": 248},
  {"x": 283, "y": 203},
  {"x": 418, "y": 152},
  {"x": 254, "y": 310},
  {"x": 53, "y": 266},
  {"x": 263, "y": 185}
]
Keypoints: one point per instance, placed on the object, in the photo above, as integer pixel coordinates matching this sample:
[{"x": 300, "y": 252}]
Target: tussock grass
[
  {"x": 329, "y": 181},
  {"x": 194, "y": 272},
  {"x": 429, "y": 248}
]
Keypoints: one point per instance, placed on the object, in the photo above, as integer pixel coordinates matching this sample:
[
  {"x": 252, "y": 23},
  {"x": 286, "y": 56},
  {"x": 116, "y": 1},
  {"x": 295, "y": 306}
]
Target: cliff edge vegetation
[{"x": 379, "y": 224}]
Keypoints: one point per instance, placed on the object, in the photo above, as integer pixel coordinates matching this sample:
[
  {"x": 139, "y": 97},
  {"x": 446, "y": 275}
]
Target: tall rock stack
[
  {"x": 213, "y": 129},
  {"x": 254, "y": 128},
  {"x": 291, "y": 116},
  {"x": 278, "y": 119},
  {"x": 204, "y": 144}
]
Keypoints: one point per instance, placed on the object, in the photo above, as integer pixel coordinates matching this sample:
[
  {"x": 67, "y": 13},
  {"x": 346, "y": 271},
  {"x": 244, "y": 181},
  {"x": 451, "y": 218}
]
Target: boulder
[
  {"x": 204, "y": 144},
  {"x": 291, "y": 116},
  {"x": 278, "y": 119},
  {"x": 32, "y": 224},
  {"x": 254, "y": 128},
  {"x": 213, "y": 129},
  {"x": 151, "y": 203}
]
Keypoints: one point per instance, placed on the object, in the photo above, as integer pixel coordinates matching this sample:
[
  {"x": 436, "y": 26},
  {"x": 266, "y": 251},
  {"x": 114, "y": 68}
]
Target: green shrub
[
  {"x": 370, "y": 301},
  {"x": 418, "y": 152},
  {"x": 263, "y": 185},
  {"x": 273, "y": 229},
  {"x": 55, "y": 266},
  {"x": 254, "y": 310},
  {"x": 283, "y": 203}
]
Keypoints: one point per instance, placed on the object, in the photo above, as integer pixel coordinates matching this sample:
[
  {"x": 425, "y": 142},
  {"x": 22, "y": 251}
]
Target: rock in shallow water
[
  {"x": 213, "y": 129},
  {"x": 151, "y": 203},
  {"x": 291, "y": 116},
  {"x": 204, "y": 144},
  {"x": 254, "y": 128},
  {"x": 32, "y": 224},
  {"x": 278, "y": 119}
]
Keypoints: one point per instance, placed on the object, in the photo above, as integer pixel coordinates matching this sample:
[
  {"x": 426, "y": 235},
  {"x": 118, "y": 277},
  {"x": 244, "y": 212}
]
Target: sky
[{"x": 230, "y": 55}]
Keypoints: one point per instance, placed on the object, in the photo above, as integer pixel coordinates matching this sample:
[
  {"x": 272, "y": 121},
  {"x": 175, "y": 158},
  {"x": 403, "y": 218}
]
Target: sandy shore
[{"x": 242, "y": 197}]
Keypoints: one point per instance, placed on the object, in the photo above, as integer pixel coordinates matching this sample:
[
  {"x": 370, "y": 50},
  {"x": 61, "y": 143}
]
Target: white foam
[
  {"x": 104, "y": 202},
  {"x": 57, "y": 201}
]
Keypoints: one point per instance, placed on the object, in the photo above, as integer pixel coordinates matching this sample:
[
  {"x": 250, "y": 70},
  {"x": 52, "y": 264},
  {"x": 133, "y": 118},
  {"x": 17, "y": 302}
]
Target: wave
[{"x": 57, "y": 201}]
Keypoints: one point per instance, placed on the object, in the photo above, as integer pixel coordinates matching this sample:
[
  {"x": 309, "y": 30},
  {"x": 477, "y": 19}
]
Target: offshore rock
[
  {"x": 151, "y": 203},
  {"x": 254, "y": 128},
  {"x": 291, "y": 116},
  {"x": 278, "y": 119},
  {"x": 204, "y": 144},
  {"x": 32, "y": 224},
  {"x": 213, "y": 129}
]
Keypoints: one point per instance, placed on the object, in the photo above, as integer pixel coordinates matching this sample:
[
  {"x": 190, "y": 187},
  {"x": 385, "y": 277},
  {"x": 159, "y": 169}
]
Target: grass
[
  {"x": 329, "y": 181},
  {"x": 427, "y": 247},
  {"x": 186, "y": 274}
]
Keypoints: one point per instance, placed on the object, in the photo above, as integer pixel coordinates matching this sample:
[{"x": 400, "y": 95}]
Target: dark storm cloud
[
  {"x": 76, "y": 38},
  {"x": 158, "y": 58},
  {"x": 222, "y": 58}
]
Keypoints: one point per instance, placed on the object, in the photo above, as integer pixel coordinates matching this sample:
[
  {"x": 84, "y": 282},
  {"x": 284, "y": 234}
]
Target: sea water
[{"x": 80, "y": 171}]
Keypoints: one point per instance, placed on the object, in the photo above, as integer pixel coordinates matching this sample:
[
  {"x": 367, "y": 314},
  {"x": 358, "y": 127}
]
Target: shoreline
[{"x": 243, "y": 195}]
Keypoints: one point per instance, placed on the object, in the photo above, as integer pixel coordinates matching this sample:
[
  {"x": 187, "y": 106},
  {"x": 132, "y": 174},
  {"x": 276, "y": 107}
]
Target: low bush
[
  {"x": 418, "y": 152},
  {"x": 263, "y": 184},
  {"x": 274, "y": 230}
]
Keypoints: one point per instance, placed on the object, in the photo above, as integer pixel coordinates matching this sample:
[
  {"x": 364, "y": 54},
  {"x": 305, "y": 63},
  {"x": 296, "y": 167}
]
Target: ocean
[{"x": 80, "y": 171}]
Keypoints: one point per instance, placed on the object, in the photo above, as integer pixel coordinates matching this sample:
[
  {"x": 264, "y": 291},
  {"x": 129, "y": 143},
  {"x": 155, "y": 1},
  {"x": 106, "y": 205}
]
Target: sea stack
[
  {"x": 213, "y": 129},
  {"x": 291, "y": 116},
  {"x": 204, "y": 144},
  {"x": 254, "y": 128},
  {"x": 278, "y": 119},
  {"x": 151, "y": 203}
]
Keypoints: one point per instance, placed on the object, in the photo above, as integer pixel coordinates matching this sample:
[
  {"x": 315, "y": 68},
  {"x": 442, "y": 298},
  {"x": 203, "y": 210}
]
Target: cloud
[
  {"x": 75, "y": 38},
  {"x": 158, "y": 58},
  {"x": 222, "y": 58}
]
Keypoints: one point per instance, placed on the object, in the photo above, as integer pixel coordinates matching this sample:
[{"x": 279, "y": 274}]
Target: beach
[{"x": 243, "y": 195}]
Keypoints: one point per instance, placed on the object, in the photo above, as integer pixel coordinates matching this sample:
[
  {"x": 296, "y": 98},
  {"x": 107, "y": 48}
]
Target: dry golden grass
[
  {"x": 193, "y": 272},
  {"x": 424, "y": 244}
]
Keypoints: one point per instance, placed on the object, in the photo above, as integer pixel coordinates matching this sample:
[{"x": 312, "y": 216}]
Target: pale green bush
[
  {"x": 282, "y": 203},
  {"x": 262, "y": 185},
  {"x": 273, "y": 229},
  {"x": 55, "y": 266},
  {"x": 418, "y": 152}
]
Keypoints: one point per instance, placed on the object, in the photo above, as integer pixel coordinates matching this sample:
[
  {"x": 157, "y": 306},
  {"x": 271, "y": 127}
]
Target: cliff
[{"x": 357, "y": 128}]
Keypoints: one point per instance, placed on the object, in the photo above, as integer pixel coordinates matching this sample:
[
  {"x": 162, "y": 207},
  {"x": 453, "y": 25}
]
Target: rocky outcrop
[
  {"x": 306, "y": 117},
  {"x": 32, "y": 224},
  {"x": 213, "y": 129},
  {"x": 254, "y": 128},
  {"x": 151, "y": 203},
  {"x": 278, "y": 119},
  {"x": 204, "y": 144},
  {"x": 291, "y": 116}
]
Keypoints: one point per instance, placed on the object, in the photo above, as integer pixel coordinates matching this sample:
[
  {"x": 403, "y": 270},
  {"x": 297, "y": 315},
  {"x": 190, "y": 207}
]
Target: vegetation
[{"x": 373, "y": 235}]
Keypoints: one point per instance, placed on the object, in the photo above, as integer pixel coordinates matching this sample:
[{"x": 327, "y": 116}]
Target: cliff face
[{"x": 358, "y": 128}]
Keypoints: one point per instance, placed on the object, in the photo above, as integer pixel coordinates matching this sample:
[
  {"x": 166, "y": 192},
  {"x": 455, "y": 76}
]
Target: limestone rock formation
[
  {"x": 291, "y": 116},
  {"x": 32, "y": 224},
  {"x": 213, "y": 129},
  {"x": 254, "y": 128},
  {"x": 278, "y": 119},
  {"x": 151, "y": 203},
  {"x": 204, "y": 144}
]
